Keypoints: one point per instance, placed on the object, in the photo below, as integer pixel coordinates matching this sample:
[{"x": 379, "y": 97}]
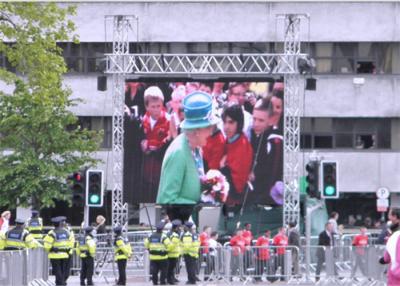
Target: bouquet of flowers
[{"x": 215, "y": 188}]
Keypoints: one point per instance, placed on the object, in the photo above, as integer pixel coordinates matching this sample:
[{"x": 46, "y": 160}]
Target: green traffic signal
[
  {"x": 94, "y": 199},
  {"x": 329, "y": 190}
]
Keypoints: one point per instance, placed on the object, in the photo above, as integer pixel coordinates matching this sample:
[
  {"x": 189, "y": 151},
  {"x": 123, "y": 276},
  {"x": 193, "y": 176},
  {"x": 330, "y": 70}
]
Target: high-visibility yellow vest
[
  {"x": 175, "y": 249},
  {"x": 35, "y": 227},
  {"x": 58, "y": 243},
  {"x": 18, "y": 238},
  {"x": 87, "y": 247},
  {"x": 158, "y": 245},
  {"x": 190, "y": 244},
  {"x": 122, "y": 249}
]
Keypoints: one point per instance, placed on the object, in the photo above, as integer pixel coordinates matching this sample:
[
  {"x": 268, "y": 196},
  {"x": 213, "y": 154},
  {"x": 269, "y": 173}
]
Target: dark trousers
[
  {"x": 159, "y": 266},
  {"x": 171, "y": 269},
  {"x": 182, "y": 212},
  {"x": 68, "y": 268},
  {"x": 191, "y": 265},
  {"x": 59, "y": 267},
  {"x": 260, "y": 266},
  {"x": 121, "y": 272},
  {"x": 87, "y": 270},
  {"x": 280, "y": 261}
]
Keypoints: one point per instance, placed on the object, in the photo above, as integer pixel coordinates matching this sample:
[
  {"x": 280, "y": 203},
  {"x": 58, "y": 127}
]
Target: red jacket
[
  {"x": 214, "y": 150},
  {"x": 204, "y": 242},
  {"x": 156, "y": 137},
  {"x": 262, "y": 248},
  {"x": 238, "y": 245},
  {"x": 360, "y": 242},
  {"x": 239, "y": 158},
  {"x": 280, "y": 240},
  {"x": 248, "y": 237}
]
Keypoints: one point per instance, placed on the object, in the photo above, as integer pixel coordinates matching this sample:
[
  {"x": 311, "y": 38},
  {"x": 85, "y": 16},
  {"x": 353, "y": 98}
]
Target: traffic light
[
  {"x": 329, "y": 174},
  {"x": 312, "y": 179},
  {"x": 94, "y": 188},
  {"x": 77, "y": 185}
]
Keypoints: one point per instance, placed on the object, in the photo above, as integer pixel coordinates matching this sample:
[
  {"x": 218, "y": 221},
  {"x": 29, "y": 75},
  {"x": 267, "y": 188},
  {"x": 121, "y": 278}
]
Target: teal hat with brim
[{"x": 199, "y": 111}]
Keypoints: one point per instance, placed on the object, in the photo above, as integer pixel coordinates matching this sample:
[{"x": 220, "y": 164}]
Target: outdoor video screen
[{"x": 242, "y": 159}]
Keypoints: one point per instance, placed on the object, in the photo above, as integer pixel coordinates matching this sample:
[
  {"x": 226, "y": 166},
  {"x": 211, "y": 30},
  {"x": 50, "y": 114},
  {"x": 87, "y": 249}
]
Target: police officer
[
  {"x": 174, "y": 251},
  {"x": 122, "y": 252},
  {"x": 87, "y": 253},
  {"x": 71, "y": 252},
  {"x": 18, "y": 238},
  {"x": 191, "y": 246},
  {"x": 35, "y": 225},
  {"x": 58, "y": 243},
  {"x": 158, "y": 245}
]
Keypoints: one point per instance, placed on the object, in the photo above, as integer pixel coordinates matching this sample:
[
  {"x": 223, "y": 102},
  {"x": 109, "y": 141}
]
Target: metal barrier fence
[{"x": 21, "y": 267}]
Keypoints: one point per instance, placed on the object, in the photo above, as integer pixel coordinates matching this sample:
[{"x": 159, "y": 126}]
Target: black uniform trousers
[
  {"x": 87, "y": 270},
  {"x": 159, "y": 266},
  {"x": 171, "y": 269},
  {"x": 59, "y": 267},
  {"x": 191, "y": 264},
  {"x": 68, "y": 268},
  {"x": 121, "y": 271}
]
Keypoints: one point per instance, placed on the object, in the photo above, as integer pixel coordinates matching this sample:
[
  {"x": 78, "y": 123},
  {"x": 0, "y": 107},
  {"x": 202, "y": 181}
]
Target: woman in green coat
[{"x": 180, "y": 189}]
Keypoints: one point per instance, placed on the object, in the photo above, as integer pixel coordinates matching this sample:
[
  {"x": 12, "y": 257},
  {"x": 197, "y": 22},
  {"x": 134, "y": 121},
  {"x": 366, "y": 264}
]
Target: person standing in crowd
[
  {"x": 5, "y": 221},
  {"x": 174, "y": 251},
  {"x": 158, "y": 244},
  {"x": 238, "y": 246},
  {"x": 18, "y": 238},
  {"x": 262, "y": 255},
  {"x": 155, "y": 126},
  {"x": 180, "y": 187},
  {"x": 237, "y": 94},
  {"x": 294, "y": 241},
  {"x": 214, "y": 247},
  {"x": 190, "y": 247},
  {"x": 205, "y": 250},
  {"x": 236, "y": 163},
  {"x": 391, "y": 255},
  {"x": 122, "y": 252},
  {"x": 35, "y": 225},
  {"x": 214, "y": 150},
  {"x": 268, "y": 154},
  {"x": 101, "y": 225},
  {"x": 281, "y": 241},
  {"x": 333, "y": 218},
  {"x": 325, "y": 240},
  {"x": 360, "y": 243},
  {"x": 87, "y": 253},
  {"x": 58, "y": 243}
]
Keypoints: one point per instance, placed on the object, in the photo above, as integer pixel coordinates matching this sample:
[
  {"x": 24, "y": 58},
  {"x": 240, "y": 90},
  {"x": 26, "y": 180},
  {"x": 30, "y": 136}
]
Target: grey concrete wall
[
  {"x": 242, "y": 21},
  {"x": 364, "y": 171}
]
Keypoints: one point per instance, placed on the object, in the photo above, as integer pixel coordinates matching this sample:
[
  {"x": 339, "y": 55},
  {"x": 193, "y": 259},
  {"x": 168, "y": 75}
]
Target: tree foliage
[{"x": 35, "y": 121}]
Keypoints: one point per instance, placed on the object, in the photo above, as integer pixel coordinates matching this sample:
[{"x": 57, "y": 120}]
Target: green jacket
[{"x": 179, "y": 181}]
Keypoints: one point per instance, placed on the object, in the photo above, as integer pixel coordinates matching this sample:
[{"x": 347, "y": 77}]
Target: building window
[{"x": 98, "y": 123}]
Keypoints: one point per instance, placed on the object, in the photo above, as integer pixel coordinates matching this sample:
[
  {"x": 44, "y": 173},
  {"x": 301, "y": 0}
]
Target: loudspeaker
[
  {"x": 311, "y": 84},
  {"x": 102, "y": 83}
]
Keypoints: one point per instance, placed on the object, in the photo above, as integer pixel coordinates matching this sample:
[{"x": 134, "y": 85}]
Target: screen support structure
[{"x": 121, "y": 63}]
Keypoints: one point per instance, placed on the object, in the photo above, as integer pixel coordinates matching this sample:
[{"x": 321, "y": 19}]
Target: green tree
[{"x": 35, "y": 118}]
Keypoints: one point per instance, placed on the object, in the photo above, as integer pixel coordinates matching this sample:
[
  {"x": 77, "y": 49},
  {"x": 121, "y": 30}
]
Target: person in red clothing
[
  {"x": 262, "y": 255},
  {"x": 247, "y": 234},
  {"x": 360, "y": 242},
  {"x": 280, "y": 241},
  {"x": 205, "y": 250},
  {"x": 236, "y": 163},
  {"x": 238, "y": 245},
  {"x": 214, "y": 150},
  {"x": 155, "y": 126}
]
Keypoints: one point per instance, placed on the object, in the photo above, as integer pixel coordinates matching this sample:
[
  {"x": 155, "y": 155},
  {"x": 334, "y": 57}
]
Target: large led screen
[{"x": 245, "y": 147}]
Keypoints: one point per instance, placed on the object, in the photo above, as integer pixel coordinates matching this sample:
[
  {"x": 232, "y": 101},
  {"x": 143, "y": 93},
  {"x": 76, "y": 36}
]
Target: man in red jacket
[
  {"x": 281, "y": 241},
  {"x": 360, "y": 243},
  {"x": 238, "y": 245},
  {"x": 262, "y": 255}
]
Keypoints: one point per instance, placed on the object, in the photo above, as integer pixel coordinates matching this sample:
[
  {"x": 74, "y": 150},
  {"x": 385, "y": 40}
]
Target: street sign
[
  {"x": 382, "y": 205},
  {"x": 383, "y": 193}
]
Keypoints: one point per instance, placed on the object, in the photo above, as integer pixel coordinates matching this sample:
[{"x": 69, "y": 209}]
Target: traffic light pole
[{"x": 86, "y": 216}]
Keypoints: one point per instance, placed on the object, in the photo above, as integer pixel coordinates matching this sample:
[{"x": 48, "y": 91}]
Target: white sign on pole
[
  {"x": 382, "y": 205},
  {"x": 383, "y": 193}
]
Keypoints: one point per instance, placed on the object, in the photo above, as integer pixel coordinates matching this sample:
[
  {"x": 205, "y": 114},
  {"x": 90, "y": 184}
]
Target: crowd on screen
[{"x": 250, "y": 131}]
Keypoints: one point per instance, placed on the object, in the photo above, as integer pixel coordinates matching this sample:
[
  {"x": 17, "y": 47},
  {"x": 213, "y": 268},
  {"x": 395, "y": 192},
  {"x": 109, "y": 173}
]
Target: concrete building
[{"x": 354, "y": 114}]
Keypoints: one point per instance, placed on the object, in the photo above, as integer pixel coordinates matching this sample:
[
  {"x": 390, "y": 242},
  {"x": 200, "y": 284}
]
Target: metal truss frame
[{"x": 121, "y": 64}]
